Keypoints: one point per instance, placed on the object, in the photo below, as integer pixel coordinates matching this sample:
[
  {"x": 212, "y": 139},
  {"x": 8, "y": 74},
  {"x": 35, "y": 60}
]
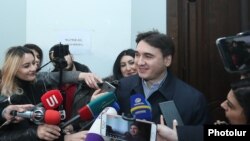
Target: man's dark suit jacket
[{"x": 190, "y": 103}]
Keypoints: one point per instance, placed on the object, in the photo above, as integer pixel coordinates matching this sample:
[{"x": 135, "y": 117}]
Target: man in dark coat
[{"x": 156, "y": 83}]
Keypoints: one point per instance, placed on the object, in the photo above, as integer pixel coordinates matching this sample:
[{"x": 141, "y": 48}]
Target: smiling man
[{"x": 156, "y": 83}]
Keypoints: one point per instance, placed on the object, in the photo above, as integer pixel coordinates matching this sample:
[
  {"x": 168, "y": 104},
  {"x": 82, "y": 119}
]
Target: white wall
[
  {"x": 103, "y": 28},
  {"x": 147, "y": 15},
  {"x": 100, "y": 29},
  {"x": 13, "y": 25}
]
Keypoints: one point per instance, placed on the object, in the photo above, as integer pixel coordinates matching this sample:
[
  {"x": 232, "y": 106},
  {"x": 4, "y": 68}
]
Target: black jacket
[
  {"x": 25, "y": 129},
  {"x": 32, "y": 92},
  {"x": 82, "y": 97},
  {"x": 190, "y": 103}
]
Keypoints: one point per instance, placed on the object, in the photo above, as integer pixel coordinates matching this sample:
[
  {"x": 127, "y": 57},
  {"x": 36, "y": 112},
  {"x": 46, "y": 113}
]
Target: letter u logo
[{"x": 52, "y": 101}]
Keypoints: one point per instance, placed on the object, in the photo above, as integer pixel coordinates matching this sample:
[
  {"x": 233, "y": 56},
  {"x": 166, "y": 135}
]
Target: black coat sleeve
[{"x": 7, "y": 133}]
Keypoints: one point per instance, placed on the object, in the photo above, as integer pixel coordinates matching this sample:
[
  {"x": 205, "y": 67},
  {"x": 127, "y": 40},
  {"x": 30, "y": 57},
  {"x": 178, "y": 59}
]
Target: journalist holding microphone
[{"x": 19, "y": 77}]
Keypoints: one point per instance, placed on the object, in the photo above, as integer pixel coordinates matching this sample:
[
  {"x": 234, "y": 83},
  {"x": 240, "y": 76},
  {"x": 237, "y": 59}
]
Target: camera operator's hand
[
  {"x": 6, "y": 113},
  {"x": 90, "y": 79}
]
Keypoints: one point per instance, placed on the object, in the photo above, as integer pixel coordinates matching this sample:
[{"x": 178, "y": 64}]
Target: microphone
[
  {"x": 93, "y": 108},
  {"x": 140, "y": 107},
  {"x": 116, "y": 106},
  {"x": 36, "y": 115},
  {"x": 39, "y": 116},
  {"x": 94, "y": 133},
  {"x": 51, "y": 99},
  {"x": 52, "y": 117}
]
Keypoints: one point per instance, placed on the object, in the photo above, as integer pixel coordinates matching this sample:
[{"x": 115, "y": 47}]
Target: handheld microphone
[
  {"x": 116, "y": 106},
  {"x": 52, "y": 117},
  {"x": 36, "y": 115},
  {"x": 94, "y": 133},
  {"x": 93, "y": 108},
  {"x": 140, "y": 107},
  {"x": 51, "y": 99},
  {"x": 39, "y": 116}
]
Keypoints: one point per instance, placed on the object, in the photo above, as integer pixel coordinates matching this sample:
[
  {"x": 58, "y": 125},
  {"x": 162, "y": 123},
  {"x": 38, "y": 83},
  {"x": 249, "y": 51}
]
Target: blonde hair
[{"x": 12, "y": 62}]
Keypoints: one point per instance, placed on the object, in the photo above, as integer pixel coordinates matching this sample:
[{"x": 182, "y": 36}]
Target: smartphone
[
  {"x": 117, "y": 128},
  {"x": 170, "y": 112},
  {"x": 107, "y": 87},
  {"x": 235, "y": 52}
]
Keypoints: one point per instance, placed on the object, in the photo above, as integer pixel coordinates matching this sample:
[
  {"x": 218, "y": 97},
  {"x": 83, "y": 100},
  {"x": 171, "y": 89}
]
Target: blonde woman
[{"x": 19, "y": 77}]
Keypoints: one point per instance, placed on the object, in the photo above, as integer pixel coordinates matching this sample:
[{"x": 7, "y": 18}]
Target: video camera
[
  {"x": 235, "y": 52},
  {"x": 57, "y": 53}
]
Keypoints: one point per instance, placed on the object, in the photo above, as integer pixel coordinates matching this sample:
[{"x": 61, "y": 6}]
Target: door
[{"x": 195, "y": 25}]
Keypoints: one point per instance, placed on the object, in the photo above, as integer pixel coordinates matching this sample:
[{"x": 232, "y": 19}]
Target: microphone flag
[{"x": 140, "y": 107}]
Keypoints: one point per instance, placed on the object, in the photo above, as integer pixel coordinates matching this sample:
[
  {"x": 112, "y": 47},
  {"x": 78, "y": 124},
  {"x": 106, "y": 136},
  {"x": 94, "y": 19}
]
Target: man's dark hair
[{"x": 158, "y": 40}]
